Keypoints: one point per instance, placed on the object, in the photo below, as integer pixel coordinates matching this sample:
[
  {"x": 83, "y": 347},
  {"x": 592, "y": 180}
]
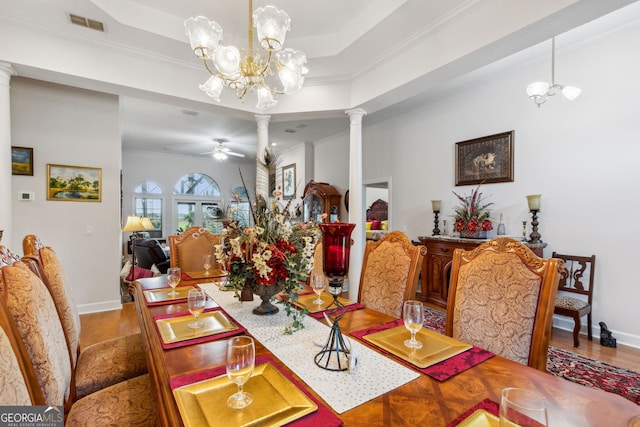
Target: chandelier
[
  {"x": 271, "y": 72},
  {"x": 540, "y": 91}
]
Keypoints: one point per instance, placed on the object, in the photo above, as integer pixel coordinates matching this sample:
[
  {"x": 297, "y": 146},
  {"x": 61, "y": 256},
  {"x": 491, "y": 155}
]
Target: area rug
[{"x": 572, "y": 366}]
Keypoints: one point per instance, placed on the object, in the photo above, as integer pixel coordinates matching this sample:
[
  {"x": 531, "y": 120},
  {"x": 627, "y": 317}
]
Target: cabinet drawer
[{"x": 440, "y": 249}]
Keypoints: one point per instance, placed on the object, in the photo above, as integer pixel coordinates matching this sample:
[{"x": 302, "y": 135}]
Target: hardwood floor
[{"x": 101, "y": 326}]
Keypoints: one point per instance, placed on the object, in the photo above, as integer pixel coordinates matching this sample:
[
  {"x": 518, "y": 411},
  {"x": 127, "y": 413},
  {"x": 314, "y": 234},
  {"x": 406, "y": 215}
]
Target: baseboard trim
[
  {"x": 100, "y": 306},
  {"x": 566, "y": 324}
]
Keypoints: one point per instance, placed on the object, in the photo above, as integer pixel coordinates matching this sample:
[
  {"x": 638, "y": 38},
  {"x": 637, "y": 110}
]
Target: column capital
[
  {"x": 262, "y": 118},
  {"x": 355, "y": 113},
  {"x": 6, "y": 72}
]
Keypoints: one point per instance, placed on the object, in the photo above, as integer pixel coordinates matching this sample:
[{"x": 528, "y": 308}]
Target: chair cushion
[
  {"x": 495, "y": 305},
  {"x": 109, "y": 362},
  {"x": 129, "y": 403},
  {"x": 14, "y": 389},
  {"x": 37, "y": 321},
  {"x": 570, "y": 303},
  {"x": 62, "y": 293}
]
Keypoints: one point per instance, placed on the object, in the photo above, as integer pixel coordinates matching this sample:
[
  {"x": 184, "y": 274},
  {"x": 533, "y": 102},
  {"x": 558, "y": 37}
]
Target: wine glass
[
  {"x": 318, "y": 284},
  {"x": 523, "y": 408},
  {"x": 196, "y": 300},
  {"x": 173, "y": 277},
  {"x": 206, "y": 262},
  {"x": 240, "y": 363},
  {"x": 413, "y": 315}
]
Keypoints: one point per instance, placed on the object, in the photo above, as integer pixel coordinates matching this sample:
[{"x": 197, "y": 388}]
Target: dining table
[{"x": 419, "y": 399}]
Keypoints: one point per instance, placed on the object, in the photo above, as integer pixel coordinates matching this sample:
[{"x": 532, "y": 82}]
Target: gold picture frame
[
  {"x": 74, "y": 183},
  {"x": 22, "y": 161},
  {"x": 485, "y": 160}
]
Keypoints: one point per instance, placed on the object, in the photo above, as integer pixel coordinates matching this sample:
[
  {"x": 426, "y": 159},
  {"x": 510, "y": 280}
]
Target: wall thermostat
[{"x": 26, "y": 195}]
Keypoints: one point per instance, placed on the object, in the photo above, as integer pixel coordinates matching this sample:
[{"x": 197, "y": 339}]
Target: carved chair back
[
  {"x": 575, "y": 291},
  {"x": 501, "y": 298},
  {"x": 188, "y": 248},
  {"x": 390, "y": 270}
]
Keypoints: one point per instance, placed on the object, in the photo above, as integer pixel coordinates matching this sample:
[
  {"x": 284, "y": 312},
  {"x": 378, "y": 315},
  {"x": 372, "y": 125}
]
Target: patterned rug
[{"x": 572, "y": 366}]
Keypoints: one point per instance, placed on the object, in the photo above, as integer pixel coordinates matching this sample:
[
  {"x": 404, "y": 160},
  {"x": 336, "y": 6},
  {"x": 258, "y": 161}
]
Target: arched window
[
  {"x": 147, "y": 201},
  {"x": 198, "y": 202}
]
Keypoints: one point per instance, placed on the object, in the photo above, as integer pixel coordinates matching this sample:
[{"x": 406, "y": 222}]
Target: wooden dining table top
[{"x": 423, "y": 401}]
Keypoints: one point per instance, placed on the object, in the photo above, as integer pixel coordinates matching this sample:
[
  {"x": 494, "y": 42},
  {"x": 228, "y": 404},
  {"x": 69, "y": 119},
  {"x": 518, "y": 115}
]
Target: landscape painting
[
  {"x": 74, "y": 183},
  {"x": 21, "y": 161}
]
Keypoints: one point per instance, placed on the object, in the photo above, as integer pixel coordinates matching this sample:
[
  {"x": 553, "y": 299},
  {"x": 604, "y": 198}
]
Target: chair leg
[
  {"x": 576, "y": 330},
  {"x": 589, "y": 327}
]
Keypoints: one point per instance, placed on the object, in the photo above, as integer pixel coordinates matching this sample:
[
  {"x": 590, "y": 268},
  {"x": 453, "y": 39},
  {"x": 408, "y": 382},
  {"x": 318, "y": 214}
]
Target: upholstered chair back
[
  {"x": 318, "y": 267},
  {"x": 188, "y": 248},
  {"x": 501, "y": 299},
  {"x": 57, "y": 281},
  {"x": 390, "y": 270},
  {"x": 34, "y": 313},
  {"x": 20, "y": 385}
]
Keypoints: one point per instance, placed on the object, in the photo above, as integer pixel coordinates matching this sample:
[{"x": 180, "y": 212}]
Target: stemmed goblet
[
  {"x": 195, "y": 301},
  {"x": 173, "y": 277},
  {"x": 318, "y": 284},
  {"x": 520, "y": 407},
  {"x": 206, "y": 262},
  {"x": 413, "y": 315},
  {"x": 240, "y": 363}
]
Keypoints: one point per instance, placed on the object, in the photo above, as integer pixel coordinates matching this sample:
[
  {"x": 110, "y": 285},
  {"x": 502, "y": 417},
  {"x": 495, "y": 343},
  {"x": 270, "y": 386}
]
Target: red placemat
[
  {"x": 488, "y": 405},
  {"x": 241, "y": 329},
  {"x": 185, "y": 276},
  {"x": 350, "y": 307},
  {"x": 440, "y": 371},
  {"x": 322, "y": 417}
]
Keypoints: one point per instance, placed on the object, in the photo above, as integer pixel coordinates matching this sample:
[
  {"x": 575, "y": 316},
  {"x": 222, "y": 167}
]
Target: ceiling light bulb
[
  {"x": 219, "y": 155},
  {"x": 272, "y": 25},
  {"x": 571, "y": 92},
  {"x": 213, "y": 87},
  {"x": 537, "y": 89},
  {"x": 204, "y": 35}
]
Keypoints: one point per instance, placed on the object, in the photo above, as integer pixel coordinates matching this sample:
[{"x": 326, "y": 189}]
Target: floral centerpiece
[
  {"x": 473, "y": 216},
  {"x": 273, "y": 256}
]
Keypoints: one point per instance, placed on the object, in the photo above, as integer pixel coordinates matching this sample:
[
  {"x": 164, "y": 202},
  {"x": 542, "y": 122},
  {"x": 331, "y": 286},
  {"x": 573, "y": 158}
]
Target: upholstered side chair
[
  {"x": 575, "y": 291},
  {"x": 501, "y": 298},
  {"x": 390, "y": 271},
  {"x": 188, "y": 248},
  {"x": 101, "y": 364},
  {"x": 32, "y": 310}
]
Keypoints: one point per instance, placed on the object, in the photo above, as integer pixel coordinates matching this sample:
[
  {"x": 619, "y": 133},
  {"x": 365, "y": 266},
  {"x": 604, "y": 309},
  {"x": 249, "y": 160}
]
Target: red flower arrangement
[{"x": 473, "y": 215}]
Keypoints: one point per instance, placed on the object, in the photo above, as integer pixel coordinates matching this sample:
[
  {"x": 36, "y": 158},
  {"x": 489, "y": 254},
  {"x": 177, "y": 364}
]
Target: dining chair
[
  {"x": 101, "y": 364},
  {"x": 31, "y": 308},
  {"x": 318, "y": 266},
  {"x": 571, "y": 282},
  {"x": 188, "y": 248},
  {"x": 390, "y": 270},
  {"x": 501, "y": 298}
]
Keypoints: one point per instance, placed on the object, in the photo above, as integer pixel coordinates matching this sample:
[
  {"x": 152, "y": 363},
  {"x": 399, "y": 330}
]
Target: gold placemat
[
  {"x": 481, "y": 418},
  {"x": 175, "y": 329},
  {"x": 306, "y": 301},
  {"x": 161, "y": 295},
  {"x": 202, "y": 274},
  {"x": 276, "y": 401},
  {"x": 435, "y": 347}
]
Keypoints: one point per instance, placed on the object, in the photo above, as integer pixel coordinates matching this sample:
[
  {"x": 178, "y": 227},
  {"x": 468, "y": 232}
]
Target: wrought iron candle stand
[{"x": 336, "y": 245}]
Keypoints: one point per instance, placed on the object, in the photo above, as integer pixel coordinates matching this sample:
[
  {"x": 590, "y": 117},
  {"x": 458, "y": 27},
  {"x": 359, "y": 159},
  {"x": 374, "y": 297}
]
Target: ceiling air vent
[{"x": 86, "y": 22}]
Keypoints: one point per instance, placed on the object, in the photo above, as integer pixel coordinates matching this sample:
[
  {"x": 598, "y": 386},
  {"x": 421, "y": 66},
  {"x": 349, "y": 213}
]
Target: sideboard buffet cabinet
[{"x": 436, "y": 266}]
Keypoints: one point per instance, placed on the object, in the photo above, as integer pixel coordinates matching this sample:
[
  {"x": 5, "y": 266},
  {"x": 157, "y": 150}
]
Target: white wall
[
  {"x": 582, "y": 156},
  {"x": 74, "y": 127}
]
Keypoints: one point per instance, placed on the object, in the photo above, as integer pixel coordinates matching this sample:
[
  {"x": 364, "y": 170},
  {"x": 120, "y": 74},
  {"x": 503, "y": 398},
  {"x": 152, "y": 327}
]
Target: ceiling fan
[{"x": 220, "y": 152}]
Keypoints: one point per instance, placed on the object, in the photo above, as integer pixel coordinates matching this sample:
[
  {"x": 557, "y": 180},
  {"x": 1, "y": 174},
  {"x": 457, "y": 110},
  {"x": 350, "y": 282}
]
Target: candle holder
[
  {"x": 534, "y": 207},
  {"x": 435, "y": 204},
  {"x": 336, "y": 246}
]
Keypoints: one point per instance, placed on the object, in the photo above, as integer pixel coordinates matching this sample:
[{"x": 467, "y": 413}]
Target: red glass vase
[{"x": 336, "y": 246}]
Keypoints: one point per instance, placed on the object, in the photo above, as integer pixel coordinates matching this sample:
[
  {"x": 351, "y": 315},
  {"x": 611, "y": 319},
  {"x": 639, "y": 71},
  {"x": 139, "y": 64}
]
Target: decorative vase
[
  {"x": 265, "y": 293},
  {"x": 477, "y": 234}
]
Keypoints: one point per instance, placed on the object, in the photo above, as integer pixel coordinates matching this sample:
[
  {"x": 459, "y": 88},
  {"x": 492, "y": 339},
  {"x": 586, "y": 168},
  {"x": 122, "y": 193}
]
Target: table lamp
[
  {"x": 336, "y": 247},
  {"x": 534, "y": 207},
  {"x": 134, "y": 225}
]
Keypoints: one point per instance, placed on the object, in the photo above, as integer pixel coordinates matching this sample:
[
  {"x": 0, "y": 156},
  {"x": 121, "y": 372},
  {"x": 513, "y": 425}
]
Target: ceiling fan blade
[{"x": 231, "y": 153}]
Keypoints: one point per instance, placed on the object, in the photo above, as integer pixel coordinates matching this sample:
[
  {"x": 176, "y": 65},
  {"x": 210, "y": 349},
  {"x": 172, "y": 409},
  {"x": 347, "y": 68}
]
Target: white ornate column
[
  {"x": 356, "y": 208},
  {"x": 262, "y": 173},
  {"x": 6, "y": 207}
]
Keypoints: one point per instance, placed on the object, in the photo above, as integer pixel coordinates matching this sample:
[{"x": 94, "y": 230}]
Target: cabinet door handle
[{"x": 444, "y": 249}]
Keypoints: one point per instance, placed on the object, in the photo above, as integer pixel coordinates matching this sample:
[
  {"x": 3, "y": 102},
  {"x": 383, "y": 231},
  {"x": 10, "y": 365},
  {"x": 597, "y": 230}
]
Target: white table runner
[{"x": 374, "y": 375}]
